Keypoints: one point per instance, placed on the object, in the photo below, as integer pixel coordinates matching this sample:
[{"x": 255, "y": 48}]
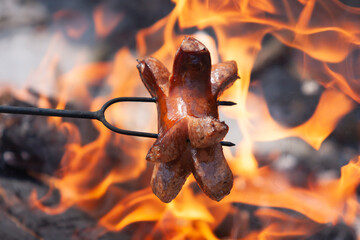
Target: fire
[
  {"x": 109, "y": 179},
  {"x": 333, "y": 105},
  {"x": 77, "y": 25},
  {"x": 105, "y": 21}
]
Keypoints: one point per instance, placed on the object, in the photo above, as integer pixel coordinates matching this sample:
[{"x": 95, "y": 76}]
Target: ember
[{"x": 296, "y": 164}]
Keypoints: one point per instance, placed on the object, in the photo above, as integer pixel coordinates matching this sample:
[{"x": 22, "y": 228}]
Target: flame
[
  {"x": 324, "y": 202},
  {"x": 105, "y": 20},
  {"x": 333, "y": 105},
  {"x": 281, "y": 225},
  {"x": 109, "y": 179},
  {"x": 74, "y": 28}
]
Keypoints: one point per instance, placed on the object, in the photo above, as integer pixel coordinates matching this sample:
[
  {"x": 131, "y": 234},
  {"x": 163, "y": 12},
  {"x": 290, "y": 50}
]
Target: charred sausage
[{"x": 188, "y": 122}]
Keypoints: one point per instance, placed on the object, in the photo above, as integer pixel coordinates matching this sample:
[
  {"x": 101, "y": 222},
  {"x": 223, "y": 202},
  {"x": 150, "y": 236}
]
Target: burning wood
[
  {"x": 28, "y": 142},
  {"x": 189, "y": 129}
]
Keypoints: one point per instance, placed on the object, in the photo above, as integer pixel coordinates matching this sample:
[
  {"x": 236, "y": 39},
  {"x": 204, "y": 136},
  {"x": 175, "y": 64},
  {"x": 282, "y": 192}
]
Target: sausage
[{"x": 188, "y": 121}]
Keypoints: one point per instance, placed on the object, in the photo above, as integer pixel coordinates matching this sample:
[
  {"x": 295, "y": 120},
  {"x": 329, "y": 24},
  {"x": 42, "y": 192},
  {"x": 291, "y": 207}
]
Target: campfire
[{"x": 295, "y": 125}]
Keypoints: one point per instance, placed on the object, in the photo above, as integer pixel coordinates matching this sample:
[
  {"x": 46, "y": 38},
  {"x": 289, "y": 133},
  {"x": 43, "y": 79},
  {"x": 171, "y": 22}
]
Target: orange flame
[
  {"x": 333, "y": 105},
  {"x": 76, "y": 27},
  {"x": 105, "y": 20},
  {"x": 94, "y": 176}
]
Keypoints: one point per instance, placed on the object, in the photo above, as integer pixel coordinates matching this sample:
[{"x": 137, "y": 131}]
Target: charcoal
[
  {"x": 19, "y": 220},
  {"x": 339, "y": 231},
  {"x": 29, "y": 142},
  {"x": 287, "y": 104},
  {"x": 240, "y": 223}
]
